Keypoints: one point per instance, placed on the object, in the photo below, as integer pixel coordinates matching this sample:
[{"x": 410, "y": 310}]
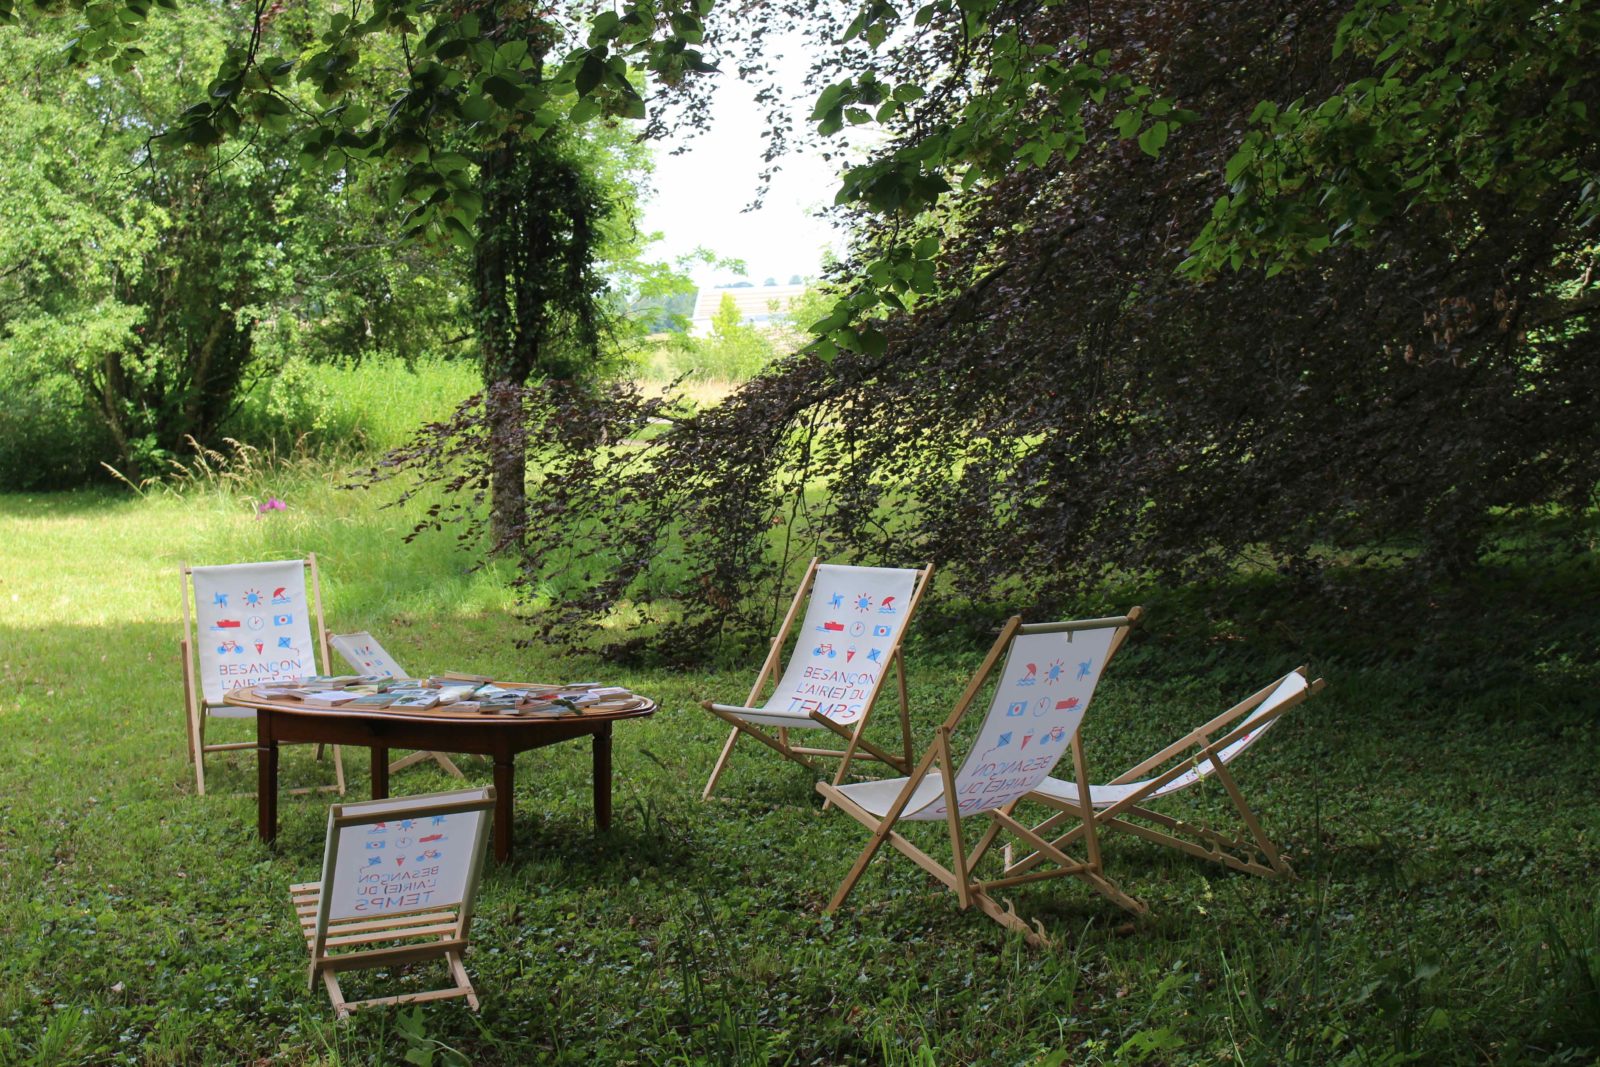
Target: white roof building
[{"x": 759, "y": 305}]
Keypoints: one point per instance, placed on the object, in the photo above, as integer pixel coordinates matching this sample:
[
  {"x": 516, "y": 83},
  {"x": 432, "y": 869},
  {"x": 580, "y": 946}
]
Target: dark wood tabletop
[{"x": 443, "y": 729}]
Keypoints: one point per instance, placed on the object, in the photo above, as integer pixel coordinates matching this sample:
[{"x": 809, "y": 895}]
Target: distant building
[{"x": 763, "y": 306}]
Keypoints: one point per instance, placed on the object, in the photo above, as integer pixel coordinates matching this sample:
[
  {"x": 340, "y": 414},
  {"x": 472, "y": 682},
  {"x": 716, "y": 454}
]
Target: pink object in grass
[{"x": 272, "y": 504}]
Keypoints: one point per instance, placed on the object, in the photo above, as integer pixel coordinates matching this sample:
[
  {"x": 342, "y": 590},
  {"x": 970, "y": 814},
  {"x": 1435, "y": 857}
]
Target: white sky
[{"x": 701, "y": 195}]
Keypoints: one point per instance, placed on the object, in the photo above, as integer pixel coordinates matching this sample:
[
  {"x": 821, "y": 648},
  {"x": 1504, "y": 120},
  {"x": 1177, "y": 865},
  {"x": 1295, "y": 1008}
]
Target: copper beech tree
[{"x": 1136, "y": 289}]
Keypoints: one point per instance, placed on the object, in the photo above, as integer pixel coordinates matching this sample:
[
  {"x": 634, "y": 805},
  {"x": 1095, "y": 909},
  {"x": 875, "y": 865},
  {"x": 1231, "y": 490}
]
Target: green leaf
[
  {"x": 828, "y": 100},
  {"x": 1240, "y": 159},
  {"x": 1152, "y": 139},
  {"x": 476, "y": 107},
  {"x": 511, "y": 54},
  {"x": 506, "y": 93},
  {"x": 839, "y": 316},
  {"x": 590, "y": 72}
]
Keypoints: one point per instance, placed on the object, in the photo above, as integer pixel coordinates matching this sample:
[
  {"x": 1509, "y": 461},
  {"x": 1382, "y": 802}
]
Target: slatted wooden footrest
[{"x": 373, "y": 942}]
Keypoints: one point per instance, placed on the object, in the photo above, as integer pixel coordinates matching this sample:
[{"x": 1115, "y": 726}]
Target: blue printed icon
[
  {"x": 376, "y": 844},
  {"x": 1085, "y": 669},
  {"x": 219, "y": 600},
  {"x": 1017, "y": 707}
]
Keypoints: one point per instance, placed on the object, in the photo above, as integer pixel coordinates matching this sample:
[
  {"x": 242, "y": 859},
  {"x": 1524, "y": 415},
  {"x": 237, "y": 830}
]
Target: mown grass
[{"x": 1438, "y": 802}]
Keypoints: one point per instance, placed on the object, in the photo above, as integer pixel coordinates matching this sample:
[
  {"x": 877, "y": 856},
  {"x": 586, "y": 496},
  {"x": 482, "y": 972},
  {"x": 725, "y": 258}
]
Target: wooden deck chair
[
  {"x": 1204, "y": 752},
  {"x": 851, "y": 634},
  {"x": 1046, "y": 684},
  {"x": 399, "y": 878},
  {"x": 365, "y": 656},
  {"x": 252, "y": 623}
]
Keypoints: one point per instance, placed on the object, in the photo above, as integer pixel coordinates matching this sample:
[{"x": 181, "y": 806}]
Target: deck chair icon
[
  {"x": 1202, "y": 753},
  {"x": 1048, "y": 679},
  {"x": 852, "y": 632},
  {"x": 399, "y": 878},
  {"x": 251, "y": 624},
  {"x": 365, "y": 656}
]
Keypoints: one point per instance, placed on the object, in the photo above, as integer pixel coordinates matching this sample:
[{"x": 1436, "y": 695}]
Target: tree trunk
[{"x": 504, "y": 373}]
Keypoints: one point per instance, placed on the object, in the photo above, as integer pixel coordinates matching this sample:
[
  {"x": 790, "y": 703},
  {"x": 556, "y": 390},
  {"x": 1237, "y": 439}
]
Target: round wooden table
[{"x": 500, "y": 737}]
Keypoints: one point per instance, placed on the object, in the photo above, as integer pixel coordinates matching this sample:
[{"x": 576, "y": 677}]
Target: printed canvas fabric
[
  {"x": 401, "y": 862},
  {"x": 366, "y": 656},
  {"x": 1291, "y": 684},
  {"x": 254, "y": 625},
  {"x": 852, "y": 624},
  {"x": 1044, "y": 689}
]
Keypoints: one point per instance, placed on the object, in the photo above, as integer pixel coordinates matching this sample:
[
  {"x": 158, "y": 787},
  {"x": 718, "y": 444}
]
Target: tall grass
[{"x": 343, "y": 410}]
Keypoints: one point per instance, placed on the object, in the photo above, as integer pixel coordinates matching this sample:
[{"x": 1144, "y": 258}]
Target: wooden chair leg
[{"x": 722, "y": 763}]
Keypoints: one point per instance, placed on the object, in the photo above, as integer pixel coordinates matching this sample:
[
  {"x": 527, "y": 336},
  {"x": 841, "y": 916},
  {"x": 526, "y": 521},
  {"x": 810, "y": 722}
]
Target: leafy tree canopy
[{"x": 1080, "y": 383}]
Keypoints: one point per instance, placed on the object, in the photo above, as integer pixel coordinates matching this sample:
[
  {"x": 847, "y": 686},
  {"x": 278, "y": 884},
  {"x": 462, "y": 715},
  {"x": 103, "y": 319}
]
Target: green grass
[
  {"x": 357, "y": 409},
  {"x": 1439, "y": 802}
]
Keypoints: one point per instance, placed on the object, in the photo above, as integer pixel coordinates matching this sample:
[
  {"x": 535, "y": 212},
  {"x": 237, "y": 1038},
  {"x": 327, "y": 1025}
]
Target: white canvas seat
[
  {"x": 1045, "y": 686},
  {"x": 251, "y": 624},
  {"x": 399, "y": 878},
  {"x": 367, "y": 657},
  {"x": 1203, "y": 753},
  {"x": 854, "y": 624}
]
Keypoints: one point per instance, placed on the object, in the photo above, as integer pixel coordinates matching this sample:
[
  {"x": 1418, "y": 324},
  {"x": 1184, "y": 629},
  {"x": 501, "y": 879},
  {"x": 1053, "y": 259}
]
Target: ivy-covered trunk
[
  {"x": 506, "y": 363},
  {"x": 537, "y": 301}
]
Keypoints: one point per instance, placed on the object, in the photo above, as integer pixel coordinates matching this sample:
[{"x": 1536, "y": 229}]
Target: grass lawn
[{"x": 1439, "y": 802}]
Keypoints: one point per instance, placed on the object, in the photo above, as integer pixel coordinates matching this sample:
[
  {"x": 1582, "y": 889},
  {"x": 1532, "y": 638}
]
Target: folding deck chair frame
[
  {"x": 937, "y": 763},
  {"x": 856, "y": 743},
  {"x": 1210, "y": 748},
  {"x": 199, "y": 705},
  {"x": 350, "y": 646},
  {"x": 433, "y": 930}
]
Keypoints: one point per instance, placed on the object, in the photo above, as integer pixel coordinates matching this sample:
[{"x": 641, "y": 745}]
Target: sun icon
[
  {"x": 252, "y": 598},
  {"x": 1052, "y": 674},
  {"x": 863, "y": 602}
]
